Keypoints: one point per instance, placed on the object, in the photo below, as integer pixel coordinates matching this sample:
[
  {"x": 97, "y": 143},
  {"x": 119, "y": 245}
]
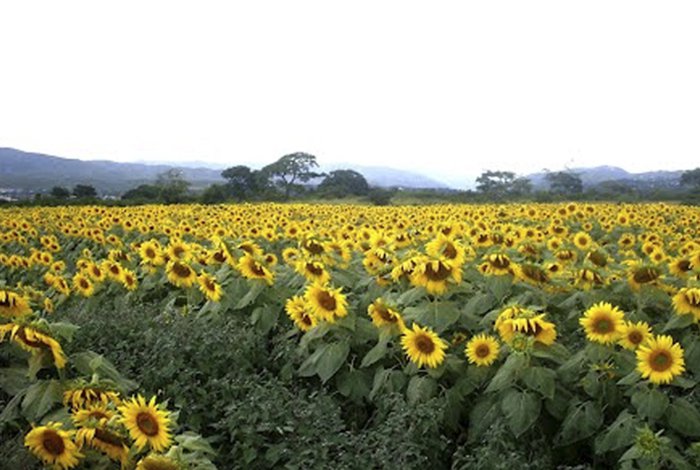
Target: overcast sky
[{"x": 445, "y": 88}]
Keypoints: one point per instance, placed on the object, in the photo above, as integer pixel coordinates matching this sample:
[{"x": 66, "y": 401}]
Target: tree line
[{"x": 289, "y": 178}]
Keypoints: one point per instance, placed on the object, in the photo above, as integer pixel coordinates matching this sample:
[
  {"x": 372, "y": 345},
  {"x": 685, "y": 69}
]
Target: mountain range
[{"x": 26, "y": 172}]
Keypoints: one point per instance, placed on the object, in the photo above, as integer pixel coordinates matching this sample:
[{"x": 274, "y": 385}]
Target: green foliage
[
  {"x": 342, "y": 183},
  {"x": 380, "y": 196},
  {"x": 84, "y": 191},
  {"x": 564, "y": 183},
  {"x": 290, "y": 170}
]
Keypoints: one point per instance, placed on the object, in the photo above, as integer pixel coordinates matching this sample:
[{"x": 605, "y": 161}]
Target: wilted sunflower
[
  {"x": 496, "y": 264},
  {"x": 180, "y": 274},
  {"x": 660, "y": 360},
  {"x": 482, "y": 350},
  {"x": 13, "y": 305},
  {"x": 531, "y": 273},
  {"x": 147, "y": 424},
  {"x": 34, "y": 342},
  {"x": 383, "y": 315},
  {"x": 687, "y": 301},
  {"x": 435, "y": 274},
  {"x": 632, "y": 335},
  {"x": 514, "y": 320},
  {"x": 603, "y": 323},
  {"x": 250, "y": 268},
  {"x": 209, "y": 287},
  {"x": 104, "y": 439},
  {"x": 159, "y": 462},
  {"x": 313, "y": 271},
  {"x": 326, "y": 303},
  {"x": 423, "y": 346},
  {"x": 299, "y": 312},
  {"x": 88, "y": 396},
  {"x": 643, "y": 275},
  {"x": 53, "y": 445}
]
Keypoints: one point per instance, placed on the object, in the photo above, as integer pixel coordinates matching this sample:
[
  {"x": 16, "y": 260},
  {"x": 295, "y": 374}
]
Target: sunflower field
[{"x": 346, "y": 336}]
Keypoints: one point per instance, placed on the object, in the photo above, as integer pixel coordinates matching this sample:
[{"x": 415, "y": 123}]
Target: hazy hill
[
  {"x": 599, "y": 174},
  {"x": 36, "y": 172}
]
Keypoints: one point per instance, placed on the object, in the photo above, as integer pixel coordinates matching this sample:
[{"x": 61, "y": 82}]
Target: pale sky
[{"x": 448, "y": 89}]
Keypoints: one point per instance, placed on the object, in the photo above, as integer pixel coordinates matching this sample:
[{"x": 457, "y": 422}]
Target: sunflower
[
  {"x": 291, "y": 255},
  {"x": 151, "y": 253},
  {"x": 588, "y": 278},
  {"x": 529, "y": 324},
  {"x": 95, "y": 272},
  {"x": 603, "y": 323},
  {"x": 383, "y": 315},
  {"x": 482, "y": 350},
  {"x": 423, "y": 346},
  {"x": 583, "y": 241},
  {"x": 496, "y": 264},
  {"x": 83, "y": 285},
  {"x": 680, "y": 266},
  {"x": 313, "y": 271},
  {"x": 250, "y": 268},
  {"x": 660, "y": 360},
  {"x": 34, "y": 342},
  {"x": 95, "y": 413},
  {"x": 687, "y": 301},
  {"x": 113, "y": 444},
  {"x": 446, "y": 247},
  {"x": 531, "y": 273},
  {"x": 209, "y": 287},
  {"x": 642, "y": 275},
  {"x": 159, "y": 462},
  {"x": 180, "y": 274},
  {"x": 13, "y": 305},
  {"x": 326, "y": 303},
  {"x": 129, "y": 280},
  {"x": 53, "y": 445},
  {"x": 89, "y": 396},
  {"x": 147, "y": 424},
  {"x": 299, "y": 312},
  {"x": 435, "y": 274},
  {"x": 632, "y": 335},
  {"x": 179, "y": 250}
]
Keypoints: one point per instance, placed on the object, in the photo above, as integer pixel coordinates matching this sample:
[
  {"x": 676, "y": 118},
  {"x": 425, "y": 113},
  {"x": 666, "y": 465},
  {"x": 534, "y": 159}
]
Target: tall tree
[
  {"x": 564, "y": 182},
  {"x": 242, "y": 182},
  {"x": 292, "y": 169},
  {"x": 341, "y": 183},
  {"x": 84, "y": 190},
  {"x": 59, "y": 192},
  {"x": 173, "y": 185}
]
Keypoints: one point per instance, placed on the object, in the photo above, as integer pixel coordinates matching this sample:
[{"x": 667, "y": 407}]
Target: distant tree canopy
[
  {"x": 59, "y": 192},
  {"x": 340, "y": 183},
  {"x": 563, "y": 182},
  {"x": 502, "y": 184},
  {"x": 691, "y": 178},
  {"x": 173, "y": 186},
  {"x": 84, "y": 190},
  {"x": 290, "y": 170},
  {"x": 244, "y": 183},
  {"x": 144, "y": 192}
]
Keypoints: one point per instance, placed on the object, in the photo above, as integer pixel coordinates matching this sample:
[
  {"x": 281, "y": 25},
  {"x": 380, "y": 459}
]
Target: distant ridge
[
  {"x": 35, "y": 172},
  {"x": 600, "y": 174}
]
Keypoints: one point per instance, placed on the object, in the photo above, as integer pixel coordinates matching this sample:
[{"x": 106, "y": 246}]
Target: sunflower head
[
  {"x": 632, "y": 335},
  {"x": 423, "y": 346},
  {"x": 482, "y": 350},
  {"x": 300, "y": 313},
  {"x": 326, "y": 302},
  {"x": 13, "y": 304},
  {"x": 687, "y": 301},
  {"x": 53, "y": 445},
  {"x": 660, "y": 360},
  {"x": 384, "y": 316},
  {"x": 603, "y": 323},
  {"x": 147, "y": 423}
]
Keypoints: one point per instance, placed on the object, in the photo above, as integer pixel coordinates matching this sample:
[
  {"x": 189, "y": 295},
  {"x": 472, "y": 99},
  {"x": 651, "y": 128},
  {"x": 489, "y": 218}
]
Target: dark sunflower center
[
  {"x": 442, "y": 272},
  {"x": 326, "y": 301},
  {"x": 219, "y": 256},
  {"x": 598, "y": 259},
  {"x": 385, "y": 314},
  {"x": 147, "y": 424},
  {"x": 536, "y": 274},
  {"x": 424, "y": 344},
  {"x": 660, "y": 361},
  {"x": 693, "y": 300},
  {"x": 645, "y": 275},
  {"x": 483, "y": 351},
  {"x": 450, "y": 251},
  {"x": 305, "y": 319},
  {"x": 53, "y": 443},
  {"x": 84, "y": 284},
  {"x": 684, "y": 265},
  {"x": 178, "y": 251},
  {"x": 499, "y": 262},
  {"x": 635, "y": 337},
  {"x": 314, "y": 269},
  {"x": 583, "y": 241},
  {"x": 257, "y": 269},
  {"x": 603, "y": 326},
  {"x": 314, "y": 248},
  {"x": 181, "y": 270},
  {"x": 108, "y": 437},
  {"x": 115, "y": 270}
]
